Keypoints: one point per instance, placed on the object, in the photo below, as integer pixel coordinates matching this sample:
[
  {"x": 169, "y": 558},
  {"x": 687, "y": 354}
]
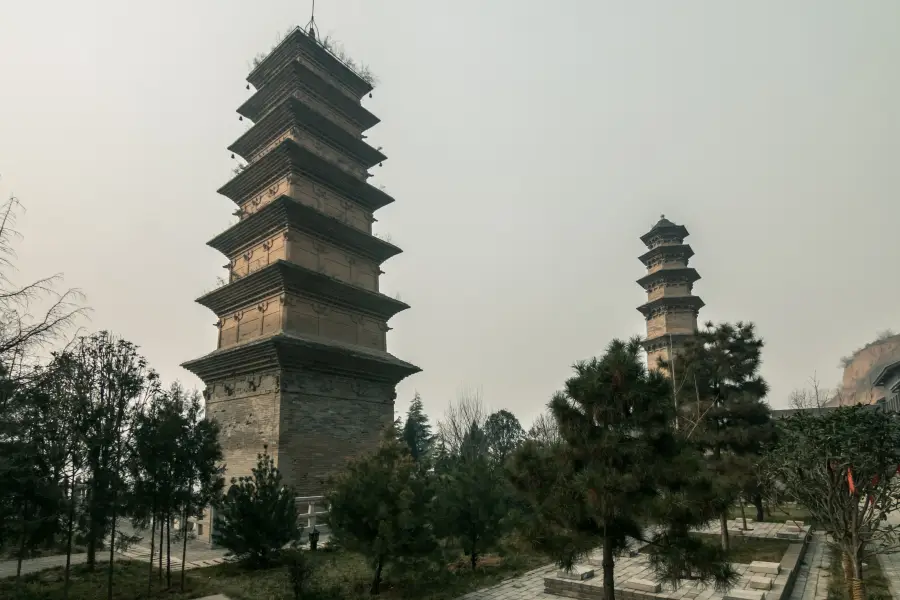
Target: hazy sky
[{"x": 530, "y": 144}]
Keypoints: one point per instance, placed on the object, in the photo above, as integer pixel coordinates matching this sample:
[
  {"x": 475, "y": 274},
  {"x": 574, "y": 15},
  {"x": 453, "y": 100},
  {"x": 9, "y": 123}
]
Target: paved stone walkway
[
  {"x": 890, "y": 566},
  {"x": 529, "y": 586},
  {"x": 812, "y": 578}
]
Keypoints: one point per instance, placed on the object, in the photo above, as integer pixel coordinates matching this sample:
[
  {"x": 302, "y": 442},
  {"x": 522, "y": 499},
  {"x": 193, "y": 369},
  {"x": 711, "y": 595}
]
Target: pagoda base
[{"x": 311, "y": 423}]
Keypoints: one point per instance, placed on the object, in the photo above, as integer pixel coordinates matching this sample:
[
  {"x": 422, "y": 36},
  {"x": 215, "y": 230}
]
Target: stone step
[
  {"x": 737, "y": 594},
  {"x": 643, "y": 585},
  {"x": 768, "y": 568},
  {"x": 788, "y": 535},
  {"x": 578, "y": 573},
  {"x": 760, "y": 583}
]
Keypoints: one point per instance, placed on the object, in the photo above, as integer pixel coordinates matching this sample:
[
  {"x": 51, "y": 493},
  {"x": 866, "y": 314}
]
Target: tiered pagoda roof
[
  {"x": 283, "y": 212},
  {"x": 293, "y": 113},
  {"x": 291, "y": 158},
  {"x": 285, "y": 277},
  {"x": 669, "y": 285},
  {"x": 304, "y": 92}
]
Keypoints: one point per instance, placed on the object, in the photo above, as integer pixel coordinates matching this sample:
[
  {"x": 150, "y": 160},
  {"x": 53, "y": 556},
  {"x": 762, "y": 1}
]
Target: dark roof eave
[
  {"x": 290, "y": 351},
  {"x": 692, "y": 301},
  {"x": 886, "y": 372},
  {"x": 686, "y": 248},
  {"x": 296, "y": 70},
  {"x": 689, "y": 272},
  {"x": 344, "y": 73},
  {"x": 665, "y": 336},
  {"x": 292, "y": 111},
  {"x": 679, "y": 230},
  {"x": 282, "y": 276},
  {"x": 296, "y": 156},
  {"x": 285, "y": 211}
]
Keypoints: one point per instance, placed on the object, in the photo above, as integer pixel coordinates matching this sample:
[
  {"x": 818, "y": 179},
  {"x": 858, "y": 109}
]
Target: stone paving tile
[
  {"x": 812, "y": 577},
  {"x": 890, "y": 566}
]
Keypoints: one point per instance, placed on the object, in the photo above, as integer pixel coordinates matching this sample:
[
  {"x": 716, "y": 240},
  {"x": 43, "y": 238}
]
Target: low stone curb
[{"x": 790, "y": 562}]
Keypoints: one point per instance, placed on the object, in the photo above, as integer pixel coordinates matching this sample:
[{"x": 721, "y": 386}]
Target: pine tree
[
  {"x": 380, "y": 507},
  {"x": 619, "y": 465},
  {"x": 722, "y": 395},
  {"x": 258, "y": 516},
  {"x": 416, "y": 432}
]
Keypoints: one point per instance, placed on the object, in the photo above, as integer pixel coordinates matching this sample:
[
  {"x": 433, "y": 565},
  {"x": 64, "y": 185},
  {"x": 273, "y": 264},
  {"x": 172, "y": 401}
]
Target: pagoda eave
[
  {"x": 677, "y": 231},
  {"x": 289, "y": 157},
  {"x": 285, "y": 52},
  {"x": 284, "y": 277},
  {"x": 297, "y": 75},
  {"x": 688, "y": 275},
  {"x": 293, "y": 112},
  {"x": 679, "y": 249},
  {"x": 284, "y": 212},
  {"x": 665, "y": 340},
  {"x": 686, "y": 302},
  {"x": 300, "y": 352}
]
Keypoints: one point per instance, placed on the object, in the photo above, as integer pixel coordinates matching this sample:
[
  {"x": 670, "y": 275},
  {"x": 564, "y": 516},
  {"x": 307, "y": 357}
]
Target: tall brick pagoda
[
  {"x": 671, "y": 308},
  {"x": 301, "y": 364}
]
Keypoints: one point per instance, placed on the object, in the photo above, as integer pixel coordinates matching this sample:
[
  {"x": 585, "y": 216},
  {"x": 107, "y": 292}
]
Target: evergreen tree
[
  {"x": 416, "y": 432},
  {"x": 723, "y": 408},
  {"x": 503, "y": 434},
  {"x": 473, "y": 496},
  {"x": 619, "y": 465},
  {"x": 379, "y": 507},
  {"x": 258, "y": 516}
]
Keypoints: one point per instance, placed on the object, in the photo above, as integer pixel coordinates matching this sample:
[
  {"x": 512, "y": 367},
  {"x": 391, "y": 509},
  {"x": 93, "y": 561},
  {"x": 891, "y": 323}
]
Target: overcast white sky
[{"x": 530, "y": 144}]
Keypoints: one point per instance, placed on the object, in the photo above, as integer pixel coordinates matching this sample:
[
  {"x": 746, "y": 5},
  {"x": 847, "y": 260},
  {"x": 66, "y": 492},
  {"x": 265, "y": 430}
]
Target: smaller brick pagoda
[{"x": 671, "y": 309}]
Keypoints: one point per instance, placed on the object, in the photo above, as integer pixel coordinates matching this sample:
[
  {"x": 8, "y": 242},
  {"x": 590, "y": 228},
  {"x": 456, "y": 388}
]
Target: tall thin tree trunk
[
  {"x": 160, "y": 546},
  {"x": 376, "y": 580},
  {"x": 609, "y": 589},
  {"x": 184, "y": 534},
  {"x": 152, "y": 548},
  {"x": 743, "y": 514},
  {"x": 22, "y": 540},
  {"x": 723, "y": 526},
  {"x": 112, "y": 550},
  {"x": 70, "y": 530},
  {"x": 169, "y": 552}
]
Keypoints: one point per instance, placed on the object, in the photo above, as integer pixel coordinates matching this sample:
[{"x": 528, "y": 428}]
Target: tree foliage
[
  {"x": 380, "y": 507},
  {"x": 841, "y": 464},
  {"x": 416, "y": 431},
  {"x": 503, "y": 433},
  {"x": 473, "y": 496},
  {"x": 258, "y": 516},
  {"x": 619, "y": 465},
  {"x": 721, "y": 397}
]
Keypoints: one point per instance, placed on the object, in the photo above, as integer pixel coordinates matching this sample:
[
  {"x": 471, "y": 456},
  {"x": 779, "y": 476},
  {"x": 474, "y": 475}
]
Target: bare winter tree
[
  {"x": 812, "y": 397},
  {"x": 468, "y": 410},
  {"x": 544, "y": 429},
  {"x": 32, "y": 316}
]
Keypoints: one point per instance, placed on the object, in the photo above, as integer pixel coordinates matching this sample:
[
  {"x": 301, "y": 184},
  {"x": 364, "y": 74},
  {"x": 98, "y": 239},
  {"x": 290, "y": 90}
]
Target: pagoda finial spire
[{"x": 311, "y": 27}]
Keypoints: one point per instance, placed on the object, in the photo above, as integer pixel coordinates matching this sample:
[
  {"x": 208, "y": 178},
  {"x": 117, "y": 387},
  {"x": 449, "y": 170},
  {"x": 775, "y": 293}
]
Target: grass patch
[
  {"x": 775, "y": 514},
  {"x": 336, "y": 575},
  {"x": 129, "y": 583},
  {"x": 745, "y": 550},
  {"x": 876, "y": 583},
  {"x": 340, "y": 575}
]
